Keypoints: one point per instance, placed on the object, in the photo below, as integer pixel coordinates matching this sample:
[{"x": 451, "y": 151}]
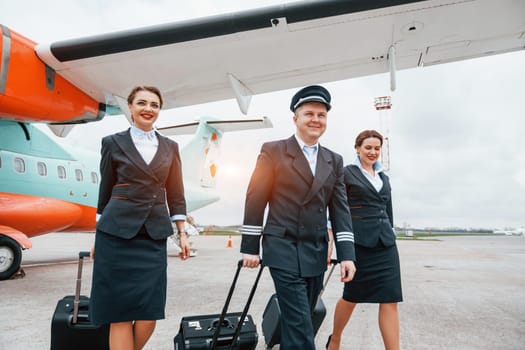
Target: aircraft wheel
[{"x": 10, "y": 257}]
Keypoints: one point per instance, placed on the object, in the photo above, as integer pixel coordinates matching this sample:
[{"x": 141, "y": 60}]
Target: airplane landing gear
[{"x": 10, "y": 257}]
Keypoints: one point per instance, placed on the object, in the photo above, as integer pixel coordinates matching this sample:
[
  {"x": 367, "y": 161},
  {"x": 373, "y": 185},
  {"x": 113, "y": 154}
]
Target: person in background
[
  {"x": 141, "y": 192},
  {"x": 191, "y": 229},
  {"x": 378, "y": 276},
  {"x": 298, "y": 179}
]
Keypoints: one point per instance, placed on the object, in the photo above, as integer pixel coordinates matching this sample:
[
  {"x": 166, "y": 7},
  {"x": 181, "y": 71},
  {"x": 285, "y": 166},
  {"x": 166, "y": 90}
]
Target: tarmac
[{"x": 461, "y": 292}]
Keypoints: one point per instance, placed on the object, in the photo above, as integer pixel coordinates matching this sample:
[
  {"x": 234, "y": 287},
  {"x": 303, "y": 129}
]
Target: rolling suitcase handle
[
  {"x": 225, "y": 307},
  {"x": 76, "y": 302},
  {"x": 247, "y": 306},
  {"x": 227, "y": 303}
]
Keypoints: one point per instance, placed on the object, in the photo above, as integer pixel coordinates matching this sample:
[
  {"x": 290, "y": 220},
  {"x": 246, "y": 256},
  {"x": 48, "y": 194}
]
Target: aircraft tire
[{"x": 10, "y": 257}]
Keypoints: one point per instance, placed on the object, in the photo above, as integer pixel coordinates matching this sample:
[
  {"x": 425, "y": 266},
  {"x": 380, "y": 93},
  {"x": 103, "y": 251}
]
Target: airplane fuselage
[
  {"x": 44, "y": 187},
  {"x": 48, "y": 187}
]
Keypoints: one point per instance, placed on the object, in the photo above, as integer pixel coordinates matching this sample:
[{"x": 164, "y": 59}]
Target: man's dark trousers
[{"x": 297, "y": 298}]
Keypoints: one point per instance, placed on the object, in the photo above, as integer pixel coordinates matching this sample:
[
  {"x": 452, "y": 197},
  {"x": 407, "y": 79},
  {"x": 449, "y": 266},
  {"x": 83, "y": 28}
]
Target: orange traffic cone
[{"x": 229, "y": 242}]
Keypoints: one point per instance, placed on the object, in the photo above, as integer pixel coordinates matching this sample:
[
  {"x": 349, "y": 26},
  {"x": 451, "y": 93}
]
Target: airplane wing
[
  {"x": 246, "y": 53},
  {"x": 221, "y": 125}
]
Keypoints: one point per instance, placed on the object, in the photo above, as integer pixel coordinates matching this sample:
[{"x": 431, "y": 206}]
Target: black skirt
[
  {"x": 378, "y": 276},
  {"x": 129, "y": 279}
]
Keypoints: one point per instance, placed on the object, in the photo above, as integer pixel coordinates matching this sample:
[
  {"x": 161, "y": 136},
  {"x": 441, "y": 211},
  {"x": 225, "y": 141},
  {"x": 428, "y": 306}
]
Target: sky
[{"x": 457, "y": 131}]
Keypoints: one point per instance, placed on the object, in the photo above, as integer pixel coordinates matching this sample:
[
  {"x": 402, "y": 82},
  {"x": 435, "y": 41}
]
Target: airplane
[
  {"x": 235, "y": 55},
  {"x": 513, "y": 232}
]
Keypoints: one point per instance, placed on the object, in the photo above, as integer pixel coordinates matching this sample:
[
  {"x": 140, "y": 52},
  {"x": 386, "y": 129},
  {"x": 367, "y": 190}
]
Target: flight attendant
[
  {"x": 141, "y": 193},
  {"x": 378, "y": 277}
]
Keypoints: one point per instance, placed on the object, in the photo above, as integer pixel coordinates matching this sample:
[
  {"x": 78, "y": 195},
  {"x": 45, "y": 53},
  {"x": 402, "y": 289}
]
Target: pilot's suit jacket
[
  {"x": 133, "y": 194},
  {"x": 295, "y": 235},
  {"x": 371, "y": 210}
]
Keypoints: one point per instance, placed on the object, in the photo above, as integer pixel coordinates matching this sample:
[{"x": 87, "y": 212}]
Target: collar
[
  {"x": 143, "y": 135},
  {"x": 302, "y": 144},
  {"x": 378, "y": 167}
]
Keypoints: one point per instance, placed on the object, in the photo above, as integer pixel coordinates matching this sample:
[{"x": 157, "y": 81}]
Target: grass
[{"x": 429, "y": 234}]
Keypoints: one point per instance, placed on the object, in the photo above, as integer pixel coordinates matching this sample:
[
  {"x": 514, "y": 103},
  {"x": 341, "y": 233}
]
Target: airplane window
[
  {"x": 78, "y": 175},
  {"x": 41, "y": 168},
  {"x": 94, "y": 177},
  {"x": 20, "y": 165},
  {"x": 61, "y": 172}
]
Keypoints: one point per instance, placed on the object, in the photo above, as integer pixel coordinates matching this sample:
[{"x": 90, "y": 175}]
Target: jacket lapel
[
  {"x": 385, "y": 190},
  {"x": 124, "y": 141},
  {"x": 323, "y": 168},
  {"x": 299, "y": 162},
  {"x": 354, "y": 169},
  {"x": 160, "y": 157}
]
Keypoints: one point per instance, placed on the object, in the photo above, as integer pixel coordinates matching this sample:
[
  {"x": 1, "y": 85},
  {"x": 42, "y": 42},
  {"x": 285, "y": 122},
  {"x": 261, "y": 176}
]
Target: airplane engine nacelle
[{"x": 33, "y": 92}]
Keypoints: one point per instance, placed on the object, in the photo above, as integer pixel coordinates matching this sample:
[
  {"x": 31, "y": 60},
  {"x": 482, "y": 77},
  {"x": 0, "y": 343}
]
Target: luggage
[
  {"x": 70, "y": 325},
  {"x": 271, "y": 322},
  {"x": 220, "y": 331},
  {"x": 196, "y": 332}
]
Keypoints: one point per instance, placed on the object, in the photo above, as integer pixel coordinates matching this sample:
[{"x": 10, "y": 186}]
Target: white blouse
[{"x": 146, "y": 143}]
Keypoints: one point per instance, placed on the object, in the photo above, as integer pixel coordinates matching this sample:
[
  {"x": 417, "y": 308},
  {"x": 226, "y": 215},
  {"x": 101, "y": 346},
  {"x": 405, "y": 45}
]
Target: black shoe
[{"x": 328, "y": 342}]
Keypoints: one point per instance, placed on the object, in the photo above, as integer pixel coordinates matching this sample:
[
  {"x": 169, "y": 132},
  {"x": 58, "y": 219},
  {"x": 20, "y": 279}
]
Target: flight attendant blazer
[
  {"x": 295, "y": 236},
  {"x": 372, "y": 219},
  {"x": 133, "y": 194}
]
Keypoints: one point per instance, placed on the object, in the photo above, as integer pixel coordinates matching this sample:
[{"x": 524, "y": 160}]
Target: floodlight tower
[{"x": 383, "y": 105}]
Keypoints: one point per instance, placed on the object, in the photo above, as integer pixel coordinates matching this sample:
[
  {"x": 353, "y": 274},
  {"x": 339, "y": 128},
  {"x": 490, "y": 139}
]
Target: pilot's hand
[
  {"x": 250, "y": 260},
  {"x": 92, "y": 253},
  {"x": 184, "y": 246},
  {"x": 347, "y": 270}
]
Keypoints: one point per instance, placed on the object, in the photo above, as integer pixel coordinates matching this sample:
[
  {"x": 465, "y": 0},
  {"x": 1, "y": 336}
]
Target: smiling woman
[
  {"x": 144, "y": 103},
  {"x": 141, "y": 192},
  {"x": 378, "y": 277}
]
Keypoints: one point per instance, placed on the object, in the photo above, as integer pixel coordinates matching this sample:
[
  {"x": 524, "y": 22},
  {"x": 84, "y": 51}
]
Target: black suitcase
[
  {"x": 271, "y": 322},
  {"x": 70, "y": 325},
  {"x": 220, "y": 331}
]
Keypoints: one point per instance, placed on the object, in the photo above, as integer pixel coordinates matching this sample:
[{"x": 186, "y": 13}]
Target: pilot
[{"x": 298, "y": 179}]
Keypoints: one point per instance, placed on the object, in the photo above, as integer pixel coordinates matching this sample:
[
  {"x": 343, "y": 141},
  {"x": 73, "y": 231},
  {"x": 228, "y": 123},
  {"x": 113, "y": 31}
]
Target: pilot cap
[{"x": 312, "y": 93}]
